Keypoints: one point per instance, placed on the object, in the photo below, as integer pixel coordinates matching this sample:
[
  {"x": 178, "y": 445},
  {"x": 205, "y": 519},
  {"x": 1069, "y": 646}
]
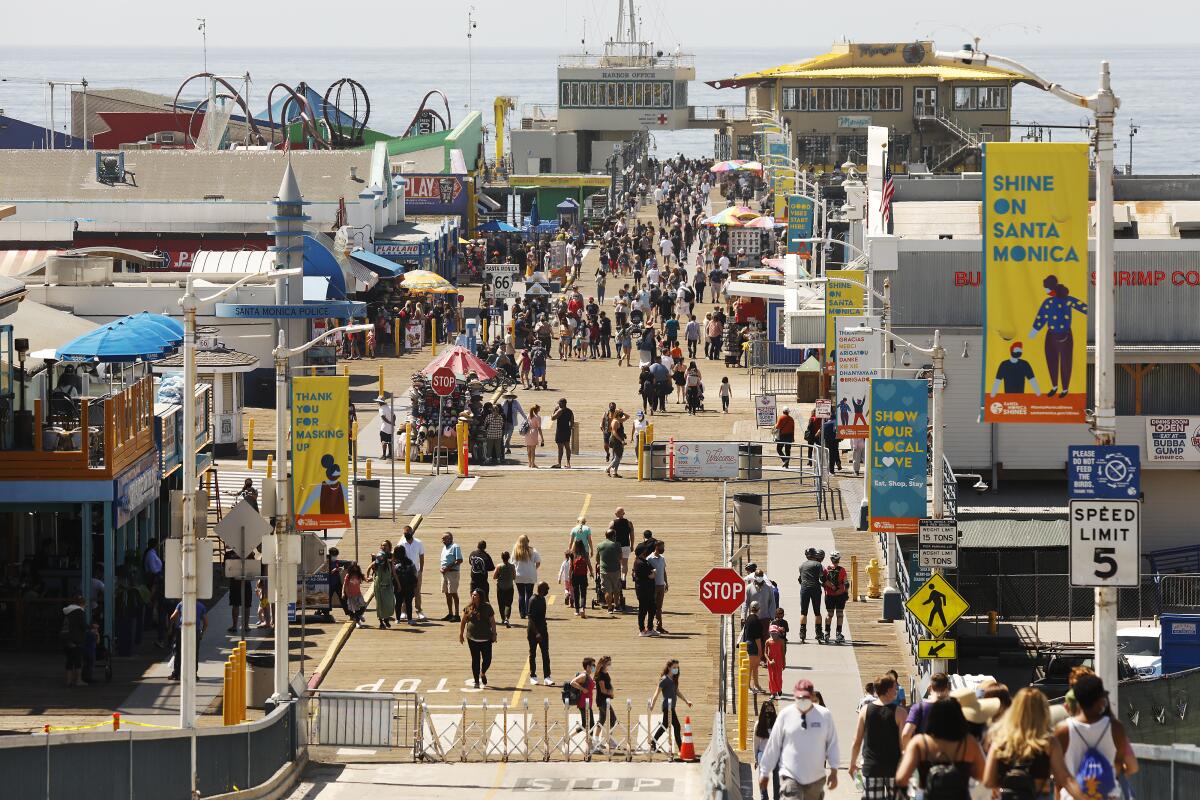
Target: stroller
[{"x": 695, "y": 398}]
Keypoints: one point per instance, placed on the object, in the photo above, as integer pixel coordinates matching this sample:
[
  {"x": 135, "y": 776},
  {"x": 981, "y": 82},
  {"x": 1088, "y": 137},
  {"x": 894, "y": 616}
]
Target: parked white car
[{"x": 1142, "y": 648}]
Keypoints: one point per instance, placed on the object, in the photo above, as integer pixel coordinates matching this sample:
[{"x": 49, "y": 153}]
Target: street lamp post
[
  {"x": 938, "y": 465},
  {"x": 1103, "y": 104},
  {"x": 187, "y": 631},
  {"x": 282, "y": 355}
]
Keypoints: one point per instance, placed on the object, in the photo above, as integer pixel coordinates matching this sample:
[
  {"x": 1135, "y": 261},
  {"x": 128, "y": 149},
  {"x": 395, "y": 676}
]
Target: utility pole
[
  {"x": 1133, "y": 131},
  {"x": 470, "y": 61}
]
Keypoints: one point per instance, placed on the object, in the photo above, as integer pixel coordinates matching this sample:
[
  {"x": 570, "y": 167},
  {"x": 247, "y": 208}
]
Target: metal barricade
[{"x": 374, "y": 720}]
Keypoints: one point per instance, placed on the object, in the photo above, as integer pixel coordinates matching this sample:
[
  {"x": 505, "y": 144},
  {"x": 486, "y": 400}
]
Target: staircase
[{"x": 968, "y": 142}]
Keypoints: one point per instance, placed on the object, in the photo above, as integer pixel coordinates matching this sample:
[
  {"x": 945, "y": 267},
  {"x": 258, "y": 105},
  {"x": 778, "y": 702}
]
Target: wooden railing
[{"x": 127, "y": 434}]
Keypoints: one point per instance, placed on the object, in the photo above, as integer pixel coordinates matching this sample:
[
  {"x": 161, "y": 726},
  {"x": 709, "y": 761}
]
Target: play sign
[{"x": 722, "y": 590}]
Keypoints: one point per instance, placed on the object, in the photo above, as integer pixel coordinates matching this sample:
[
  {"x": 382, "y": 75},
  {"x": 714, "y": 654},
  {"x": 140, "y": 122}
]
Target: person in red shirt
[
  {"x": 837, "y": 589},
  {"x": 785, "y": 434}
]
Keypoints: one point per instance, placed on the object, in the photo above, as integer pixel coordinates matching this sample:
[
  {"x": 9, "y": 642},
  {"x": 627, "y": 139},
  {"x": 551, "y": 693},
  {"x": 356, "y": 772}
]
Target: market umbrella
[
  {"x": 765, "y": 274},
  {"x": 727, "y": 166},
  {"x": 169, "y": 329},
  {"x": 762, "y": 222},
  {"x": 734, "y": 216},
  {"x": 460, "y": 360},
  {"x": 116, "y": 342},
  {"x": 422, "y": 280},
  {"x": 497, "y": 226}
]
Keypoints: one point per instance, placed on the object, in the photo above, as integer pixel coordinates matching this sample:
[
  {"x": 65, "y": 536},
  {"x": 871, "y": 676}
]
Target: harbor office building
[
  {"x": 936, "y": 283},
  {"x": 938, "y": 111}
]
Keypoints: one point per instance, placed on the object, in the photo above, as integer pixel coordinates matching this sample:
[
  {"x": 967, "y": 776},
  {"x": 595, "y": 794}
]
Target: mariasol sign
[{"x": 1035, "y": 281}]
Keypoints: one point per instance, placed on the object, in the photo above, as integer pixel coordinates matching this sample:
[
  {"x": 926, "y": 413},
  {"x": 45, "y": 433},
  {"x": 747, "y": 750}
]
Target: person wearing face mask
[
  {"x": 802, "y": 743},
  {"x": 1014, "y": 372},
  {"x": 752, "y": 636},
  {"x": 668, "y": 688},
  {"x": 760, "y": 591},
  {"x": 582, "y": 687}
]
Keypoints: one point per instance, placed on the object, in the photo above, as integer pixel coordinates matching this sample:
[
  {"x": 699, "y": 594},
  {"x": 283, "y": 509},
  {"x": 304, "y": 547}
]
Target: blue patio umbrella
[
  {"x": 497, "y": 226},
  {"x": 116, "y": 342},
  {"x": 165, "y": 327}
]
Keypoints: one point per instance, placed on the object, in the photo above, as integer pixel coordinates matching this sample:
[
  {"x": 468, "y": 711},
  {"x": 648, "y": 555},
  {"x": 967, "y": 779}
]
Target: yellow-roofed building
[{"x": 939, "y": 110}]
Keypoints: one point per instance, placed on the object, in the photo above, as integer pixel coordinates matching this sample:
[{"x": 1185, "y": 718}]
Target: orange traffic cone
[{"x": 687, "y": 750}]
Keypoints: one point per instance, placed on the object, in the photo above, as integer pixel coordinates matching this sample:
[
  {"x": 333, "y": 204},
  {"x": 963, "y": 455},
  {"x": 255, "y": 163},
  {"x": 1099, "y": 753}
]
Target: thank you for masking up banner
[
  {"x": 320, "y": 451},
  {"x": 899, "y": 420},
  {"x": 1035, "y": 282}
]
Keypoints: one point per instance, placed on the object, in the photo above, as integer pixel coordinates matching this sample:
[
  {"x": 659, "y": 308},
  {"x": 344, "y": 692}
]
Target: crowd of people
[{"x": 955, "y": 744}]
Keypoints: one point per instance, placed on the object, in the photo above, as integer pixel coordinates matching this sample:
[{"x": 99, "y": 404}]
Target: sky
[{"x": 562, "y": 24}]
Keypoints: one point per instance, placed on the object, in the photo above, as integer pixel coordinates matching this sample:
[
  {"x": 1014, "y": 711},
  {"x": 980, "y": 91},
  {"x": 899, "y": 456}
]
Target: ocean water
[{"x": 397, "y": 79}]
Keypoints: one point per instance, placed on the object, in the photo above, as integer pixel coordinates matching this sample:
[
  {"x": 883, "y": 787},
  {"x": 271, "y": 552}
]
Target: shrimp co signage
[
  {"x": 320, "y": 451},
  {"x": 1035, "y": 270},
  {"x": 1173, "y": 439},
  {"x": 899, "y": 451}
]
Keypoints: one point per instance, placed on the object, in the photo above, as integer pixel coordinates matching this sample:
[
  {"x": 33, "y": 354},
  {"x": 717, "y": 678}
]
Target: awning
[
  {"x": 120, "y": 254},
  {"x": 381, "y": 266},
  {"x": 745, "y": 289},
  {"x": 17, "y": 263}
]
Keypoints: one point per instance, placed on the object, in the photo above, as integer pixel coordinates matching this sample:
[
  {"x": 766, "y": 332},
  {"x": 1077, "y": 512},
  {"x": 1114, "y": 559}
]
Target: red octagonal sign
[
  {"x": 722, "y": 590},
  {"x": 443, "y": 381}
]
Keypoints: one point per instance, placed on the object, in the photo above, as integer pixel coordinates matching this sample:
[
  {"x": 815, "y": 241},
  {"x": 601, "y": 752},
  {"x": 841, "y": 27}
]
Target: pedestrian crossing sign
[
  {"x": 937, "y": 648},
  {"x": 936, "y": 605}
]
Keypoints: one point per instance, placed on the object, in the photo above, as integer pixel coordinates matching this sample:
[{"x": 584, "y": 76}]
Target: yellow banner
[
  {"x": 785, "y": 183},
  {"x": 1035, "y": 282},
  {"x": 842, "y": 299},
  {"x": 320, "y": 451}
]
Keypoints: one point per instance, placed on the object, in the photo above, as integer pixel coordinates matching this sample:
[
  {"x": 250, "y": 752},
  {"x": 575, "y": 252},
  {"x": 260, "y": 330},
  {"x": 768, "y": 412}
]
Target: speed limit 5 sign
[{"x": 1106, "y": 545}]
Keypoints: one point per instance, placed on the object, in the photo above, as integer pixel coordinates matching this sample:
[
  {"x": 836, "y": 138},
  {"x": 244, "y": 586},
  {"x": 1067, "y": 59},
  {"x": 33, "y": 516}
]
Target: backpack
[
  {"x": 689, "y": 295},
  {"x": 1017, "y": 782},
  {"x": 835, "y": 578},
  {"x": 945, "y": 780},
  {"x": 1095, "y": 773},
  {"x": 571, "y": 694},
  {"x": 579, "y": 566}
]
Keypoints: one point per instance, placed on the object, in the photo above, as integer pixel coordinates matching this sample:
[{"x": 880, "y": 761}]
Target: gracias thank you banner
[
  {"x": 1035, "y": 281},
  {"x": 899, "y": 452},
  {"x": 320, "y": 451}
]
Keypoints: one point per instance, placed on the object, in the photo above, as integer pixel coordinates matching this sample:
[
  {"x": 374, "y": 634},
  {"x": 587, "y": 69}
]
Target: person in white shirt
[
  {"x": 803, "y": 742},
  {"x": 666, "y": 248},
  {"x": 652, "y": 276},
  {"x": 387, "y": 426},
  {"x": 415, "y": 549},
  {"x": 723, "y": 263}
]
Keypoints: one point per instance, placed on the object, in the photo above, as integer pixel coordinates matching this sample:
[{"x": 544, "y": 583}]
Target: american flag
[{"x": 889, "y": 191}]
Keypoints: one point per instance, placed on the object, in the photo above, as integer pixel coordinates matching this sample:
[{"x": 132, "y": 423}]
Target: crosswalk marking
[{"x": 232, "y": 480}]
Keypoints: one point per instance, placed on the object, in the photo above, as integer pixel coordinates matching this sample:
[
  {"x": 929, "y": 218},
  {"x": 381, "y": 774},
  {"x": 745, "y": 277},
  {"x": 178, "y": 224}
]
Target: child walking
[
  {"x": 352, "y": 592},
  {"x": 564, "y": 576},
  {"x": 776, "y": 660},
  {"x": 725, "y": 392}
]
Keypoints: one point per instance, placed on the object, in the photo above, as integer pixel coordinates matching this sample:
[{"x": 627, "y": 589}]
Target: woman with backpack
[
  {"x": 1025, "y": 756},
  {"x": 581, "y": 570},
  {"x": 578, "y": 692},
  {"x": 406, "y": 585},
  {"x": 945, "y": 757},
  {"x": 668, "y": 689},
  {"x": 478, "y": 631}
]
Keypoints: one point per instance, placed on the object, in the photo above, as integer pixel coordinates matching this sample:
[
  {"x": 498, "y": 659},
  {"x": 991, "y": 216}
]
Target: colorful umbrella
[
  {"x": 422, "y": 280},
  {"x": 460, "y": 360},
  {"x": 736, "y": 165},
  {"x": 734, "y": 216},
  {"x": 761, "y": 222}
]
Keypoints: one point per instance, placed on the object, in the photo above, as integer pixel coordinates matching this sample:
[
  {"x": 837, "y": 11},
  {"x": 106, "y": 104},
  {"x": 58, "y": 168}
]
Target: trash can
[
  {"x": 749, "y": 462},
  {"x": 747, "y": 513},
  {"x": 260, "y": 678},
  {"x": 366, "y": 498},
  {"x": 658, "y": 461}
]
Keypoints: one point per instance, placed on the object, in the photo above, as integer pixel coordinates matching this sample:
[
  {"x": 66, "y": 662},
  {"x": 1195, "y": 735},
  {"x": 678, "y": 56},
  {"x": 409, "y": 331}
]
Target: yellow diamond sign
[{"x": 936, "y": 605}]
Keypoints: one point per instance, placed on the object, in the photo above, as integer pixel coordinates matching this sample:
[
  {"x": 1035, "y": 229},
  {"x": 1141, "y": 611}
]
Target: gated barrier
[
  {"x": 486, "y": 733},
  {"x": 383, "y": 720}
]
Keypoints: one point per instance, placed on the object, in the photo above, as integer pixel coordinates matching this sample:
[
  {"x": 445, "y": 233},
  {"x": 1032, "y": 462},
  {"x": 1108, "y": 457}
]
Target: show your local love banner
[
  {"x": 1035, "y": 282},
  {"x": 320, "y": 451},
  {"x": 899, "y": 451}
]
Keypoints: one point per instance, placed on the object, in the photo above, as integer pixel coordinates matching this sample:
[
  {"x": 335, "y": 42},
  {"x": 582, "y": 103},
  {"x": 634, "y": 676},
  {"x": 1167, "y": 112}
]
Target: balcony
[{"x": 80, "y": 438}]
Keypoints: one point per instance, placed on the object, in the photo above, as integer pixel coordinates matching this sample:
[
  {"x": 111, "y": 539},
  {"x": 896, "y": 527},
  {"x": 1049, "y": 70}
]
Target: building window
[
  {"x": 851, "y": 142},
  {"x": 831, "y": 98},
  {"x": 666, "y": 95},
  {"x": 925, "y": 100},
  {"x": 980, "y": 98},
  {"x": 898, "y": 150},
  {"x": 812, "y": 149},
  {"x": 680, "y": 94}
]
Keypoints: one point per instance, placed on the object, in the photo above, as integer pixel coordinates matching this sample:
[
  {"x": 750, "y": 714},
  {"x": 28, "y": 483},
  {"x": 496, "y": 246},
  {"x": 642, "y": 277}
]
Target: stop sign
[
  {"x": 722, "y": 590},
  {"x": 443, "y": 381}
]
